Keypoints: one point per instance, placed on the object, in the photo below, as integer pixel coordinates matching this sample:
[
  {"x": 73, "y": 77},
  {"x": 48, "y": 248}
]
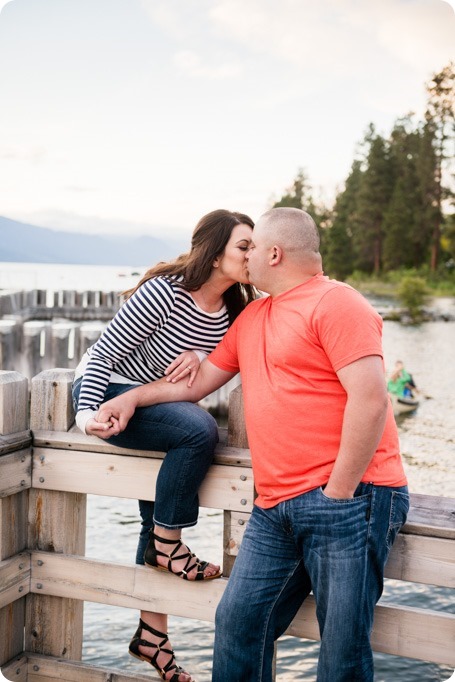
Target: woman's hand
[
  {"x": 185, "y": 366},
  {"x": 101, "y": 429}
]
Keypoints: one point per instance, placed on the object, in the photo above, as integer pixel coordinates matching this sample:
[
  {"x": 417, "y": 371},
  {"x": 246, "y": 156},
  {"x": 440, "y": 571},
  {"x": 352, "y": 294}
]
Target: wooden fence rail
[{"x": 45, "y": 476}]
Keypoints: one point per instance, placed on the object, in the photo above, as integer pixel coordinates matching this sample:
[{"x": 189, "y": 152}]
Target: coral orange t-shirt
[{"x": 288, "y": 349}]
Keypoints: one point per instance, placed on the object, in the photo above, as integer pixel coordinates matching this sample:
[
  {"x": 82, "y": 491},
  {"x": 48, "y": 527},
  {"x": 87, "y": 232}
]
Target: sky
[{"x": 140, "y": 116}]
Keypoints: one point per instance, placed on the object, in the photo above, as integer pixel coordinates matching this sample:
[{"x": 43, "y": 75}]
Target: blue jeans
[
  {"x": 188, "y": 434},
  {"x": 337, "y": 548}
]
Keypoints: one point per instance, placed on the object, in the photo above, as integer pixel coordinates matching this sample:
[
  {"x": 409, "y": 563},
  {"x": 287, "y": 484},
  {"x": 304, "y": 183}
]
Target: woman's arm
[
  {"x": 114, "y": 415},
  {"x": 136, "y": 320}
]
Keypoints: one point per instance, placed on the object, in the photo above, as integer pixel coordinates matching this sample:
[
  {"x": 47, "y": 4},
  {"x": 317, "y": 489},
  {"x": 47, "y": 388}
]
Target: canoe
[{"x": 401, "y": 405}]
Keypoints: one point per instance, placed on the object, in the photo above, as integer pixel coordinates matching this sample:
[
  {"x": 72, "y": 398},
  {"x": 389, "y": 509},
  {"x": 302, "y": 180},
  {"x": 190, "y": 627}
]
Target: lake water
[{"x": 427, "y": 445}]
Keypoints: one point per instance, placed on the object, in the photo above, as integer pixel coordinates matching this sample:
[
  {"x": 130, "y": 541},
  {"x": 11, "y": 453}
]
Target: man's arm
[
  {"x": 363, "y": 424},
  {"x": 114, "y": 415}
]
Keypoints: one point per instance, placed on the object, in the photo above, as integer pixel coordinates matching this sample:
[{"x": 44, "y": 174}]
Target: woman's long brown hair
[{"x": 208, "y": 242}]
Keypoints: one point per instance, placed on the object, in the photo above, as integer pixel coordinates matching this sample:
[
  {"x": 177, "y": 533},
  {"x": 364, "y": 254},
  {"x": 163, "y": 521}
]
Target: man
[{"x": 331, "y": 489}]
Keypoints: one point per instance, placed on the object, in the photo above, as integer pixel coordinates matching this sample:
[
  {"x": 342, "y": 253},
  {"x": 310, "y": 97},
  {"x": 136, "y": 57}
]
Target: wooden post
[
  {"x": 56, "y": 524},
  {"x": 13, "y": 510},
  {"x": 64, "y": 346},
  {"x": 7, "y": 344},
  {"x": 234, "y": 521},
  {"x": 36, "y": 338},
  {"x": 89, "y": 333},
  {"x": 237, "y": 437}
]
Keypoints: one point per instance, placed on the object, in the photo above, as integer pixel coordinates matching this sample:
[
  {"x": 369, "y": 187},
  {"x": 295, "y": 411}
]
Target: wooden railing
[{"x": 45, "y": 476}]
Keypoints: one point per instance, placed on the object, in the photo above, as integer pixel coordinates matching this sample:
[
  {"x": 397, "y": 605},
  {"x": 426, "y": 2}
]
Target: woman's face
[{"x": 232, "y": 263}]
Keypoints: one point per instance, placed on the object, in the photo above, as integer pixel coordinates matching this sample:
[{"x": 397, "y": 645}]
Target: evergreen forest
[{"x": 395, "y": 214}]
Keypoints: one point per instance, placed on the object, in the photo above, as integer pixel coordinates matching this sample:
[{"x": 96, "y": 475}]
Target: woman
[{"x": 175, "y": 316}]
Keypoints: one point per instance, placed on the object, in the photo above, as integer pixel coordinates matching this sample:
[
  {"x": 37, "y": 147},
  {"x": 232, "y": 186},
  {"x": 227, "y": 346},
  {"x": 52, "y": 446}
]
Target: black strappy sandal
[
  {"x": 192, "y": 562},
  {"x": 137, "y": 641}
]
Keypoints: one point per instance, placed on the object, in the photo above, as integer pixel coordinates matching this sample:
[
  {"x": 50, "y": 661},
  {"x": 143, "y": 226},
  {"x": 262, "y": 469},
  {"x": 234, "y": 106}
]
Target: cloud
[
  {"x": 32, "y": 155},
  {"x": 178, "y": 19},
  {"x": 3, "y": 3},
  {"x": 79, "y": 189},
  {"x": 192, "y": 64},
  {"x": 341, "y": 35}
]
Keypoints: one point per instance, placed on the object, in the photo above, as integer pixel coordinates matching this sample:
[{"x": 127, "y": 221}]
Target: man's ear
[{"x": 276, "y": 255}]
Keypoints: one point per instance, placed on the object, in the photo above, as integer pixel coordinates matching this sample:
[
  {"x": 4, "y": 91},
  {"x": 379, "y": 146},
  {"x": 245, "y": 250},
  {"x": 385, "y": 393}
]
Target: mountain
[{"x": 23, "y": 243}]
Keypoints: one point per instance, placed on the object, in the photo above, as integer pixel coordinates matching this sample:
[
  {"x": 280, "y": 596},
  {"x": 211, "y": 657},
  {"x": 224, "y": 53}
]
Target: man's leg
[
  {"x": 266, "y": 588},
  {"x": 345, "y": 553}
]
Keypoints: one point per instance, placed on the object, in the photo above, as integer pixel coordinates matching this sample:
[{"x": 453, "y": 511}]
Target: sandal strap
[
  {"x": 171, "y": 664},
  {"x": 152, "y": 631},
  {"x": 190, "y": 565}
]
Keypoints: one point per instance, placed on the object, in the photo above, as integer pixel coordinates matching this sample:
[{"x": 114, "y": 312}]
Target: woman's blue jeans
[
  {"x": 188, "y": 434},
  {"x": 337, "y": 548}
]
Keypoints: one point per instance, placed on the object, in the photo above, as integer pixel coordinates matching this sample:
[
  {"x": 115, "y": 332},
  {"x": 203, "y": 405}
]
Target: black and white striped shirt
[{"x": 157, "y": 323}]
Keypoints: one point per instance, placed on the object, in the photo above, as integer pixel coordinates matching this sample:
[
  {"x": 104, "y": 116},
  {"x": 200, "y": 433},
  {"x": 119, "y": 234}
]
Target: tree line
[{"x": 396, "y": 208}]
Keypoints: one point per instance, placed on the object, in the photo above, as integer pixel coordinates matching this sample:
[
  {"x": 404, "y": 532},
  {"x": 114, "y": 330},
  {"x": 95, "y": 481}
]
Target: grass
[{"x": 439, "y": 284}]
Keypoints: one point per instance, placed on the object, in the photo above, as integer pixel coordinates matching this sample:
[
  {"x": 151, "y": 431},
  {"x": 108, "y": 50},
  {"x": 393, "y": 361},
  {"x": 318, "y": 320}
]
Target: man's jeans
[
  {"x": 338, "y": 548},
  {"x": 188, "y": 434}
]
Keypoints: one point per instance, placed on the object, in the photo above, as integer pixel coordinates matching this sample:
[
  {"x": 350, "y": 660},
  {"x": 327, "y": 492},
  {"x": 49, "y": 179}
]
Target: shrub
[{"x": 413, "y": 294}]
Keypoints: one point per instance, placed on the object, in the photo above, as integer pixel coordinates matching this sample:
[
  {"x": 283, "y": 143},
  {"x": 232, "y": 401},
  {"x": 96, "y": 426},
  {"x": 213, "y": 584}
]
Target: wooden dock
[{"x": 47, "y": 468}]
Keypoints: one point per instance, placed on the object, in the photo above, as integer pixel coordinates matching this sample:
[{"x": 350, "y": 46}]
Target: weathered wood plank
[
  {"x": 56, "y": 524},
  {"x": 13, "y": 402},
  {"x": 13, "y": 539},
  {"x": 15, "y": 472},
  {"x": 12, "y": 619},
  {"x": 51, "y": 402},
  {"x": 422, "y": 559},
  {"x": 75, "y": 440},
  {"x": 13, "y": 524},
  {"x": 131, "y": 586},
  {"x": 400, "y": 630},
  {"x": 237, "y": 435},
  {"x": 16, "y": 669},
  {"x": 403, "y": 631},
  {"x": 14, "y": 578},
  {"x": 39, "y": 668},
  {"x": 133, "y": 477},
  {"x": 15, "y": 441},
  {"x": 431, "y": 515}
]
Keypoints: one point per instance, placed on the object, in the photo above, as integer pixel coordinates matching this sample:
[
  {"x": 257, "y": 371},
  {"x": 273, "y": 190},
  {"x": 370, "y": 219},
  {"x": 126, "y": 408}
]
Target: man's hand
[
  {"x": 115, "y": 414},
  {"x": 102, "y": 430}
]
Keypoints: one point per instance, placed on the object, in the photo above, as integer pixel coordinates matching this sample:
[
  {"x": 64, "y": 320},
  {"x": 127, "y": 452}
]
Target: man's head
[{"x": 284, "y": 251}]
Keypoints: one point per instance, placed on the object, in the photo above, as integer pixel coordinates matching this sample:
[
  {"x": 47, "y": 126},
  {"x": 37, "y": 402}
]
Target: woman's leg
[{"x": 189, "y": 435}]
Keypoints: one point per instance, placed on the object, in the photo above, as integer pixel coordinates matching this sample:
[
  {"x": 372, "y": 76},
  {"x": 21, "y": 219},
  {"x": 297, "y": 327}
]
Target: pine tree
[
  {"x": 338, "y": 249},
  {"x": 401, "y": 236},
  {"x": 373, "y": 199},
  {"x": 440, "y": 126}
]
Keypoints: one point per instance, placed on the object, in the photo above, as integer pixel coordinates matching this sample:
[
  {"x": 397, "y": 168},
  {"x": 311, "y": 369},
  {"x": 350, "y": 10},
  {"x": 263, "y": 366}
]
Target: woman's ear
[{"x": 216, "y": 262}]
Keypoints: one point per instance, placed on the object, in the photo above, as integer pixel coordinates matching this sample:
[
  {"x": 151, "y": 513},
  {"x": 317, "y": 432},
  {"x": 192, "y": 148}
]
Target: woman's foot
[
  {"x": 172, "y": 555},
  {"x": 154, "y": 647}
]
